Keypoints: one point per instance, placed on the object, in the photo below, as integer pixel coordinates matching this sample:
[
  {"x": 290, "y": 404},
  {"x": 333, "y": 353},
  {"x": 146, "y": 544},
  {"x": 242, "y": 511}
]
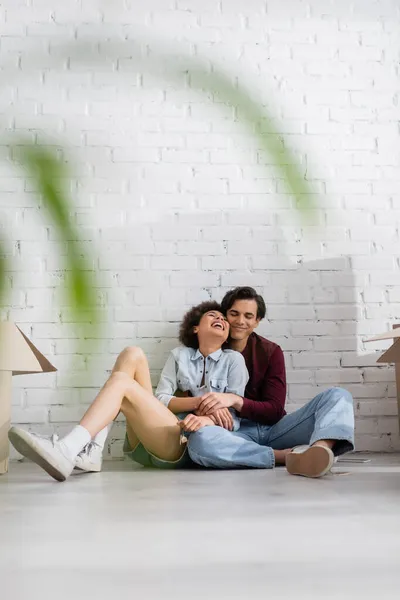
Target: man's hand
[
  {"x": 215, "y": 400},
  {"x": 193, "y": 423},
  {"x": 223, "y": 418}
]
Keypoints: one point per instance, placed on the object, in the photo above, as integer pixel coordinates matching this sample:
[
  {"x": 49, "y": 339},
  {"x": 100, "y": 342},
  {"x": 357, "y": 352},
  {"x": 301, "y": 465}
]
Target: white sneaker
[
  {"x": 45, "y": 452},
  {"x": 310, "y": 461},
  {"x": 90, "y": 459}
]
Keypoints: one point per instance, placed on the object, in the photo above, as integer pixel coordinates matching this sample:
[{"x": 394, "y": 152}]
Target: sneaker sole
[
  {"x": 25, "y": 447},
  {"x": 92, "y": 470},
  {"x": 314, "y": 462}
]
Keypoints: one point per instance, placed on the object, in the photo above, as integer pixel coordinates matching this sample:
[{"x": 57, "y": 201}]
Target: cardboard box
[
  {"x": 18, "y": 356},
  {"x": 391, "y": 355}
]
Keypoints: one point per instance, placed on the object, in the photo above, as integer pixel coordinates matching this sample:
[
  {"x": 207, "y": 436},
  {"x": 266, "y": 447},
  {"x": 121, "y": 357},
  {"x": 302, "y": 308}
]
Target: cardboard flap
[
  {"x": 389, "y": 335},
  {"x": 392, "y": 355},
  {"x": 18, "y": 354}
]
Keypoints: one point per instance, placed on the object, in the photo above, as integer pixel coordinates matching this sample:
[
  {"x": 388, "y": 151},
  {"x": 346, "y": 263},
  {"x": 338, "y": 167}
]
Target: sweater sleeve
[{"x": 269, "y": 407}]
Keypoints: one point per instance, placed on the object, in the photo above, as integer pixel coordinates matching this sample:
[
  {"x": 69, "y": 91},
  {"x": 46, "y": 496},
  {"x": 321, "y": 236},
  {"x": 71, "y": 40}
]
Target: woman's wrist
[{"x": 196, "y": 402}]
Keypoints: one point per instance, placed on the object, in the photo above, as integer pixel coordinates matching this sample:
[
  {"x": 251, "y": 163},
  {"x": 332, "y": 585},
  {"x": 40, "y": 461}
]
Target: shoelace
[{"x": 89, "y": 448}]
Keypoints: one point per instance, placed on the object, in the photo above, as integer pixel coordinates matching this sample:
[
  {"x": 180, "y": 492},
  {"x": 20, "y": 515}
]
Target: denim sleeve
[
  {"x": 167, "y": 384},
  {"x": 236, "y": 419},
  {"x": 238, "y": 375}
]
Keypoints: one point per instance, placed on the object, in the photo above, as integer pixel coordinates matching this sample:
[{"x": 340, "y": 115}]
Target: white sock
[
  {"x": 101, "y": 437},
  {"x": 75, "y": 441}
]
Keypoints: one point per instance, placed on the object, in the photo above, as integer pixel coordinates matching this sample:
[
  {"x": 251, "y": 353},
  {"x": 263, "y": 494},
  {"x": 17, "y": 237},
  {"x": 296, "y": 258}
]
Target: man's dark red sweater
[{"x": 265, "y": 393}]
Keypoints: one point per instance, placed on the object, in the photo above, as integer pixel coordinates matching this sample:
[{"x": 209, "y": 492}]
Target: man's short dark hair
[
  {"x": 192, "y": 318},
  {"x": 243, "y": 293}
]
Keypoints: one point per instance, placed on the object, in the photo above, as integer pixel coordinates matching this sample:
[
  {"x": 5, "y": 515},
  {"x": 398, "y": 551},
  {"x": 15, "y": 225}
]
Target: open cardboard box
[
  {"x": 391, "y": 355},
  {"x": 18, "y": 356}
]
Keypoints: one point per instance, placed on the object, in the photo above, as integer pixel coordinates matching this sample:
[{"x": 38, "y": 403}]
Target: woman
[{"x": 153, "y": 431}]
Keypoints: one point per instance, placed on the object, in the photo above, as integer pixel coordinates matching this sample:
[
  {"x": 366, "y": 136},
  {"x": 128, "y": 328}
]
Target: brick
[
  {"x": 224, "y": 201},
  {"x": 199, "y": 248},
  {"x": 249, "y": 218},
  {"x": 329, "y": 295},
  {"x": 123, "y": 262},
  {"x": 337, "y": 312},
  {"x": 204, "y": 186},
  {"x": 243, "y": 278},
  {"x": 367, "y": 426},
  {"x": 200, "y": 218},
  {"x": 388, "y": 426},
  {"x": 372, "y": 263},
  {"x": 294, "y": 344},
  {"x": 174, "y": 263},
  {"x": 160, "y": 140},
  {"x": 338, "y": 377},
  {"x": 202, "y": 279},
  {"x": 236, "y": 248},
  {"x": 301, "y": 392},
  {"x": 223, "y": 263},
  {"x": 142, "y": 278},
  {"x": 138, "y": 313},
  {"x": 377, "y": 374},
  {"x": 25, "y": 416},
  {"x": 299, "y": 376},
  {"x": 66, "y": 414},
  {"x": 314, "y": 328},
  {"x": 279, "y": 263},
  {"x": 164, "y": 330},
  {"x": 175, "y": 233},
  {"x": 353, "y": 359},
  {"x": 292, "y": 312},
  {"x": 370, "y": 408},
  {"x": 45, "y": 397},
  {"x": 336, "y": 344},
  {"x": 225, "y": 233},
  {"x": 209, "y": 141}
]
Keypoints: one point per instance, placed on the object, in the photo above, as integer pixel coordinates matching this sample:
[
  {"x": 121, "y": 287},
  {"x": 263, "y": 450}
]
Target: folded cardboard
[
  {"x": 18, "y": 356},
  {"x": 391, "y": 355}
]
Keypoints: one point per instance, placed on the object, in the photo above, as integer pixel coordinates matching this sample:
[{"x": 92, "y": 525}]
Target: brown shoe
[{"x": 310, "y": 461}]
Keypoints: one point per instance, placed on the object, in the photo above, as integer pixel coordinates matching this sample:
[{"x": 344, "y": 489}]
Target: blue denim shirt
[{"x": 225, "y": 371}]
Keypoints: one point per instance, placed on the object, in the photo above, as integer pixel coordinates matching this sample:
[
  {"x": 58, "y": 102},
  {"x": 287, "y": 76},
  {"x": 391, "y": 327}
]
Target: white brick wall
[{"x": 177, "y": 201}]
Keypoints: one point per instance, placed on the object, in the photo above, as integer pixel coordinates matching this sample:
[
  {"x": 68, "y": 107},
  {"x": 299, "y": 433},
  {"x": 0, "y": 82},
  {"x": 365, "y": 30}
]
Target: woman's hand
[
  {"x": 223, "y": 418},
  {"x": 193, "y": 423}
]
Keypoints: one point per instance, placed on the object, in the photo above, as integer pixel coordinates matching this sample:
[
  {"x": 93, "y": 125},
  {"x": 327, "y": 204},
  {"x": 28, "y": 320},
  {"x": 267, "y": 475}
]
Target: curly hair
[
  {"x": 243, "y": 293},
  {"x": 187, "y": 337}
]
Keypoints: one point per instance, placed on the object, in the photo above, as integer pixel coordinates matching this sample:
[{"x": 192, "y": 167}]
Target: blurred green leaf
[
  {"x": 48, "y": 173},
  {"x": 254, "y": 115}
]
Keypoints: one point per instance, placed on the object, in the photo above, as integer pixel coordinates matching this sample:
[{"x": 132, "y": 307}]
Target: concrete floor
[{"x": 201, "y": 534}]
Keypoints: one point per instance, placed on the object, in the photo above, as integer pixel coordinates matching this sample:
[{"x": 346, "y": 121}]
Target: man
[{"x": 267, "y": 435}]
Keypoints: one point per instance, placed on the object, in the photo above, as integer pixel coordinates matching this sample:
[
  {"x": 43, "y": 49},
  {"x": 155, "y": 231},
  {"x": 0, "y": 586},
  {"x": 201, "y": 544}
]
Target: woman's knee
[{"x": 132, "y": 353}]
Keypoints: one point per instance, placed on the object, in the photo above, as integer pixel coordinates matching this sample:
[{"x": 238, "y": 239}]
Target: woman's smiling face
[{"x": 213, "y": 326}]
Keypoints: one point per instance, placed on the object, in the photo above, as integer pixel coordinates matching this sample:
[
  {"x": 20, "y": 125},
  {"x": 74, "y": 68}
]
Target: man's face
[{"x": 242, "y": 318}]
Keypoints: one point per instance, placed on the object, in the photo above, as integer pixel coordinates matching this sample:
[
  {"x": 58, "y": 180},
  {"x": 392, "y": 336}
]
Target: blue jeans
[{"x": 329, "y": 416}]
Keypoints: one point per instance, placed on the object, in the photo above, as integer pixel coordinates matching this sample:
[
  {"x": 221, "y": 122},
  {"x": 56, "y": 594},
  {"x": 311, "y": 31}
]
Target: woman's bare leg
[
  {"x": 133, "y": 362},
  {"x": 148, "y": 420}
]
